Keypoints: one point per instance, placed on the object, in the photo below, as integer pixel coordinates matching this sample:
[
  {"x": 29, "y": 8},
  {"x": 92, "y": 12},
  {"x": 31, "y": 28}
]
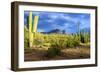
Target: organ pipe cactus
[{"x": 32, "y": 29}]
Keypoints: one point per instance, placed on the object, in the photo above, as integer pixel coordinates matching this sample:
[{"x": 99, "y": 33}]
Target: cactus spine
[{"x": 32, "y": 29}]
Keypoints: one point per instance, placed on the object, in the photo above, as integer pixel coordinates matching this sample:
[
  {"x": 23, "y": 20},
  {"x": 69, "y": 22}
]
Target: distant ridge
[{"x": 54, "y": 31}]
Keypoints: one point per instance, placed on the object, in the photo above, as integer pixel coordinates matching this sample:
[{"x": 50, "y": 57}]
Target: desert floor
[{"x": 80, "y": 52}]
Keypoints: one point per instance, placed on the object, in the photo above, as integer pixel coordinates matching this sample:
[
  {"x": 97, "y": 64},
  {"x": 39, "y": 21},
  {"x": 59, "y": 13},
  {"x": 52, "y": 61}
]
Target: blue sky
[{"x": 58, "y": 20}]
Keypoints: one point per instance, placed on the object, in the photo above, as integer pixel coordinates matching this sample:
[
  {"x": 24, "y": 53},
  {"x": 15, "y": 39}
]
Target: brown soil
[{"x": 81, "y": 52}]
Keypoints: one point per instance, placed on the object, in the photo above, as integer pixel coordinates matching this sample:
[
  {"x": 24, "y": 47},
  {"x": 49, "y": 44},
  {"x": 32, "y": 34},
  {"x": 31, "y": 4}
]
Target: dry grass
[{"x": 76, "y": 53}]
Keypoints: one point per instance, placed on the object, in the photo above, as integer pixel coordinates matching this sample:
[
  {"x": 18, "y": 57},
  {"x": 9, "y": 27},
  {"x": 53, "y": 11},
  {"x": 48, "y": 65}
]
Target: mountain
[{"x": 54, "y": 31}]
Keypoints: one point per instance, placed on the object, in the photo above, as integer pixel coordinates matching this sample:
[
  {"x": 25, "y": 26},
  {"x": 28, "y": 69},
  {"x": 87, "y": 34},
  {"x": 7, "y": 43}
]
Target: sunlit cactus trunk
[
  {"x": 35, "y": 23},
  {"x": 32, "y": 29}
]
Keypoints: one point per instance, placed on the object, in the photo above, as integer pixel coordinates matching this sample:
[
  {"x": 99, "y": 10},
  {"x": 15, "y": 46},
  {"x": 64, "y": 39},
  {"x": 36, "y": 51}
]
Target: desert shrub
[
  {"x": 57, "y": 40},
  {"x": 26, "y": 39},
  {"x": 38, "y": 39},
  {"x": 26, "y": 43},
  {"x": 72, "y": 41},
  {"x": 63, "y": 40},
  {"x": 47, "y": 44},
  {"x": 46, "y": 38},
  {"x": 85, "y": 37},
  {"x": 76, "y": 40},
  {"x": 52, "y": 51},
  {"x": 59, "y": 43},
  {"x": 82, "y": 38},
  {"x": 76, "y": 43}
]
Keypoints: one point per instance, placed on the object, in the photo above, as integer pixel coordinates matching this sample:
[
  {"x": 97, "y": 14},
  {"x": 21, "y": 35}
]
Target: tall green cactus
[
  {"x": 35, "y": 23},
  {"x": 32, "y": 29}
]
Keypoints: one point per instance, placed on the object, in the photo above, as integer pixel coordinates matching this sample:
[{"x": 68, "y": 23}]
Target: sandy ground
[{"x": 80, "y": 52}]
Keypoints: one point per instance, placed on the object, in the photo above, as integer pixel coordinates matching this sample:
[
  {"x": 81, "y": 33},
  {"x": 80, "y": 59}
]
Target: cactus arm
[{"x": 35, "y": 23}]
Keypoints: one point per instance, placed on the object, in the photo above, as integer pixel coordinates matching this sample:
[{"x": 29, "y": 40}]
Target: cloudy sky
[{"x": 57, "y": 20}]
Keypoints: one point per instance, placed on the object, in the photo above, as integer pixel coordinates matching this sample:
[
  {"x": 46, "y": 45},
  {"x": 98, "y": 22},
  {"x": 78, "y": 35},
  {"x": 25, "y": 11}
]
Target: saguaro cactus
[
  {"x": 35, "y": 23},
  {"x": 32, "y": 30}
]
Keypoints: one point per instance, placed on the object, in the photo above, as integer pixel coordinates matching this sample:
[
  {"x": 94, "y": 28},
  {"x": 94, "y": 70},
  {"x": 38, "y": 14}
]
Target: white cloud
[
  {"x": 49, "y": 20},
  {"x": 56, "y": 26},
  {"x": 40, "y": 30},
  {"x": 53, "y": 16},
  {"x": 36, "y": 13}
]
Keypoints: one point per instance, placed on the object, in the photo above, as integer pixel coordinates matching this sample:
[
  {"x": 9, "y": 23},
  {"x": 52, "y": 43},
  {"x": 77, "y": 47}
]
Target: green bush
[
  {"x": 85, "y": 37},
  {"x": 73, "y": 41},
  {"x": 53, "y": 52},
  {"x": 59, "y": 42},
  {"x": 38, "y": 39},
  {"x": 26, "y": 43},
  {"x": 26, "y": 39}
]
